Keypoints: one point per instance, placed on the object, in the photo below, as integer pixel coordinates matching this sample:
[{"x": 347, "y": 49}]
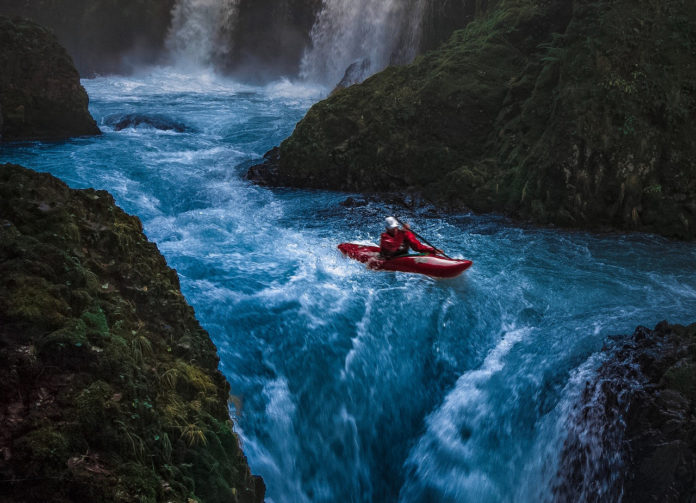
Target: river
[{"x": 353, "y": 385}]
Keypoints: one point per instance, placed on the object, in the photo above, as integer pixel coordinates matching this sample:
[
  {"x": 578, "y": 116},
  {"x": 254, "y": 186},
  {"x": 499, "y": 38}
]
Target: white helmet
[{"x": 392, "y": 223}]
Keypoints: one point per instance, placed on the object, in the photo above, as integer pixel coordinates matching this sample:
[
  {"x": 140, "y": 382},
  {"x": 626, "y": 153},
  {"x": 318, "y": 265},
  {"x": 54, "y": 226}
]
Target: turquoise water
[{"x": 355, "y": 385}]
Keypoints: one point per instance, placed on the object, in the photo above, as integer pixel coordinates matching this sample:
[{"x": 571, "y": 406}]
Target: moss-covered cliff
[
  {"x": 40, "y": 92},
  {"x": 102, "y": 36},
  {"x": 572, "y": 112},
  {"x": 109, "y": 388}
]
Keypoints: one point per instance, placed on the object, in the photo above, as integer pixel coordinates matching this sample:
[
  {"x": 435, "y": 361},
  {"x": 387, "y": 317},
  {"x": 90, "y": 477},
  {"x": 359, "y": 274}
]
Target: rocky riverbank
[
  {"x": 574, "y": 113},
  {"x": 40, "y": 92},
  {"x": 638, "y": 419},
  {"x": 109, "y": 389}
]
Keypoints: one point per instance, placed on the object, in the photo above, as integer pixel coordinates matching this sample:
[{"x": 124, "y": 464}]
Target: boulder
[{"x": 40, "y": 92}]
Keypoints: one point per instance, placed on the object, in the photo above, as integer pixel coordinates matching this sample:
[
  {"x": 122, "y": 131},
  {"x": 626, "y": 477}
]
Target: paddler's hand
[{"x": 406, "y": 226}]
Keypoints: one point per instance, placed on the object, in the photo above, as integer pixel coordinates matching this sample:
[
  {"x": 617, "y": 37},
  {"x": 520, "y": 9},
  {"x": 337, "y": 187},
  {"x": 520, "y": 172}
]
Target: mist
[{"x": 317, "y": 41}]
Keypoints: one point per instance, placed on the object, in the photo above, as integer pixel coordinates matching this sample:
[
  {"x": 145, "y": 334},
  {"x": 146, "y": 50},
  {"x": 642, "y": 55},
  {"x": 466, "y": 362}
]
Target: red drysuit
[{"x": 400, "y": 242}]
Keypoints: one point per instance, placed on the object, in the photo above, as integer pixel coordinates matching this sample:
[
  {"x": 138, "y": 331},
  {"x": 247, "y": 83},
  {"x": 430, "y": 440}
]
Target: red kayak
[{"x": 436, "y": 266}]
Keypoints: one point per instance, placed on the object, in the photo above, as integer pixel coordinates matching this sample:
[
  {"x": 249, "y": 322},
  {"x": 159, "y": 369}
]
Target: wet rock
[
  {"x": 109, "y": 387},
  {"x": 636, "y": 423},
  {"x": 352, "y": 202},
  {"x": 40, "y": 92},
  {"x": 160, "y": 122},
  {"x": 266, "y": 173},
  {"x": 355, "y": 73}
]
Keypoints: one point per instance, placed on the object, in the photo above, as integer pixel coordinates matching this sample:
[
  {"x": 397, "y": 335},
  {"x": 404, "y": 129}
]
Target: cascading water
[
  {"x": 365, "y": 35},
  {"x": 371, "y": 33},
  {"x": 201, "y": 31}
]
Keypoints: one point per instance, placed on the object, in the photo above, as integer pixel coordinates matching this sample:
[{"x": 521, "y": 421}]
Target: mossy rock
[
  {"x": 40, "y": 92},
  {"x": 576, "y": 113},
  {"x": 111, "y": 385}
]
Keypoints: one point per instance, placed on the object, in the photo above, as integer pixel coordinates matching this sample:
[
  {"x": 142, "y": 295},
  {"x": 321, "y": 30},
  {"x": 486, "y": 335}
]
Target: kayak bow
[{"x": 432, "y": 265}]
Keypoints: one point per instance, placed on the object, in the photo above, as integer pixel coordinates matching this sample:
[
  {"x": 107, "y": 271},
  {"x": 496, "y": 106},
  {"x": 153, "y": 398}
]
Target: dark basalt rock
[
  {"x": 634, "y": 435},
  {"x": 270, "y": 37},
  {"x": 553, "y": 111},
  {"x": 120, "y": 122},
  {"x": 441, "y": 19},
  {"x": 40, "y": 92},
  {"x": 109, "y": 387},
  {"x": 351, "y": 202},
  {"x": 266, "y": 173},
  {"x": 355, "y": 73}
]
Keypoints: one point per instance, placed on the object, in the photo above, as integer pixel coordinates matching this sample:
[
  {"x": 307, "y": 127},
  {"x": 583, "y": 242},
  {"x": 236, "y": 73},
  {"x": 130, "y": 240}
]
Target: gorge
[{"x": 511, "y": 383}]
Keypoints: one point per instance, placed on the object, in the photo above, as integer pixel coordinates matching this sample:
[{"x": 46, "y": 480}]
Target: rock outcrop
[
  {"x": 102, "y": 36},
  {"x": 441, "y": 19},
  {"x": 270, "y": 37},
  {"x": 577, "y": 113},
  {"x": 639, "y": 417},
  {"x": 109, "y": 387},
  {"x": 40, "y": 92}
]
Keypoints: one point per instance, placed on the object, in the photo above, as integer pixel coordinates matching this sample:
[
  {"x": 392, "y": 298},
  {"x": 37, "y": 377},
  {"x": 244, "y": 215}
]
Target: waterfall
[
  {"x": 365, "y": 34},
  {"x": 201, "y": 31}
]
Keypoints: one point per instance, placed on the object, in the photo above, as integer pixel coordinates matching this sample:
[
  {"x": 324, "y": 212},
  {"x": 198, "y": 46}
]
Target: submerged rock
[
  {"x": 120, "y": 122},
  {"x": 634, "y": 434},
  {"x": 40, "y": 92},
  {"x": 573, "y": 113},
  {"x": 109, "y": 388}
]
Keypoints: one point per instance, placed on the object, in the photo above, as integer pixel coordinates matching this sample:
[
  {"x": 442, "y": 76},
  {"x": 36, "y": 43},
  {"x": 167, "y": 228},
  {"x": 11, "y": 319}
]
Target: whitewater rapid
[{"x": 353, "y": 385}]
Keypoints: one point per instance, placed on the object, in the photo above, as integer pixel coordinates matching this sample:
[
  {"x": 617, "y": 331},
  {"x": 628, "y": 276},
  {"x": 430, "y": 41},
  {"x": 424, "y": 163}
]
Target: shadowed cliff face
[
  {"x": 102, "y": 36},
  {"x": 568, "y": 112},
  {"x": 109, "y": 388},
  {"x": 639, "y": 413},
  {"x": 440, "y": 19},
  {"x": 265, "y": 38},
  {"x": 271, "y": 37},
  {"x": 252, "y": 39},
  {"x": 40, "y": 92}
]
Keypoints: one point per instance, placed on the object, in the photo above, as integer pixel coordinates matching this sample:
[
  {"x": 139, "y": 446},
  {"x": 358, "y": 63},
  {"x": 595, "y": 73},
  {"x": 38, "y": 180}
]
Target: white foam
[
  {"x": 276, "y": 461},
  {"x": 376, "y": 32},
  {"x": 442, "y": 458},
  {"x": 299, "y": 90}
]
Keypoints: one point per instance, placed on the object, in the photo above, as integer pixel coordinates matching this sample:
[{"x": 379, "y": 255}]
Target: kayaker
[{"x": 395, "y": 241}]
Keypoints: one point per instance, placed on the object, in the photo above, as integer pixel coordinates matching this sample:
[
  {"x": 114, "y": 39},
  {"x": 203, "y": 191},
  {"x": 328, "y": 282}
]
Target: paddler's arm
[{"x": 417, "y": 245}]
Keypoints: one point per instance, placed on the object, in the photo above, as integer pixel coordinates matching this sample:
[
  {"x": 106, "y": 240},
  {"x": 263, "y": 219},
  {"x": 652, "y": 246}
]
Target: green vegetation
[
  {"x": 110, "y": 388},
  {"x": 577, "y": 113}
]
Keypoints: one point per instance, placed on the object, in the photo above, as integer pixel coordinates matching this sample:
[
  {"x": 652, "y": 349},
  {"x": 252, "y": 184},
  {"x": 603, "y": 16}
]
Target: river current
[{"x": 353, "y": 385}]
